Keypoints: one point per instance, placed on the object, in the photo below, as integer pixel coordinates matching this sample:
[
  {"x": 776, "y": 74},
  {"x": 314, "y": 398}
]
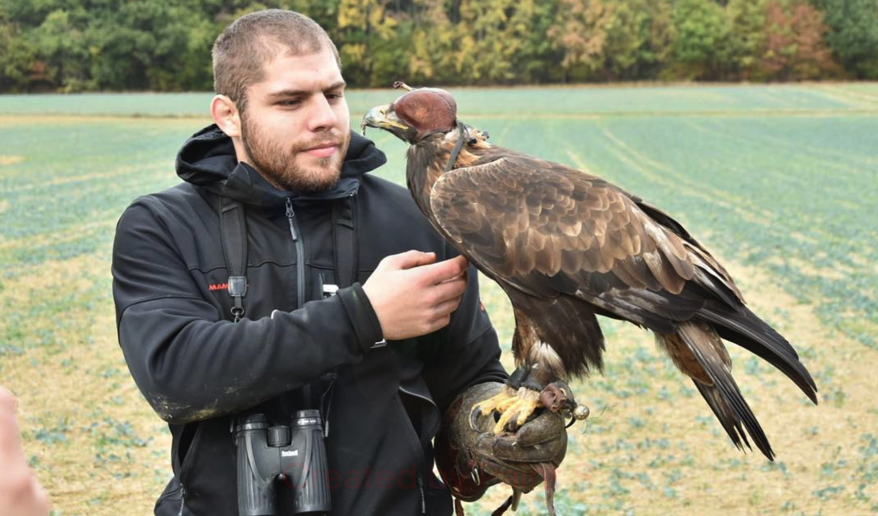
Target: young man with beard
[{"x": 382, "y": 359}]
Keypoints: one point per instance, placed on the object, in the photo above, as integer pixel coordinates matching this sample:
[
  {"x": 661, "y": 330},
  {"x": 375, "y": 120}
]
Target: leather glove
[{"x": 471, "y": 460}]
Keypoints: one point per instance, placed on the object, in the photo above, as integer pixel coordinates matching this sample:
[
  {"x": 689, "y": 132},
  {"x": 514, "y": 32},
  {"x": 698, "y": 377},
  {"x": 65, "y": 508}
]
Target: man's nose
[{"x": 322, "y": 116}]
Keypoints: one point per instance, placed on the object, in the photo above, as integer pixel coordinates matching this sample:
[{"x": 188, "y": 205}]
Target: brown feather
[
  {"x": 566, "y": 245},
  {"x": 699, "y": 353}
]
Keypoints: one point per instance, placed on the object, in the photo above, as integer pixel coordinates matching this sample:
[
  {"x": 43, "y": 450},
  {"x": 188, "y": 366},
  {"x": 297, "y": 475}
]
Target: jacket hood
[{"x": 208, "y": 160}]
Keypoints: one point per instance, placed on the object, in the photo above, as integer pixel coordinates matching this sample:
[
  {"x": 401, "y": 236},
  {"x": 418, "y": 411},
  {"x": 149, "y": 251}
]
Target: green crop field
[{"x": 781, "y": 182}]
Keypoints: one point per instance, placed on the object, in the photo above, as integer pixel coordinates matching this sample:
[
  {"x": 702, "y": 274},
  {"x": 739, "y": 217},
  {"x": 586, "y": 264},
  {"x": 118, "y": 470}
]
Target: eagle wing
[
  {"x": 546, "y": 230},
  {"x": 550, "y": 232}
]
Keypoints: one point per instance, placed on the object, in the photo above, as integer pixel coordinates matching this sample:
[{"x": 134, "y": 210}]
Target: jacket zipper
[
  {"x": 420, "y": 477},
  {"x": 423, "y": 500},
  {"x": 300, "y": 254},
  {"x": 300, "y": 294}
]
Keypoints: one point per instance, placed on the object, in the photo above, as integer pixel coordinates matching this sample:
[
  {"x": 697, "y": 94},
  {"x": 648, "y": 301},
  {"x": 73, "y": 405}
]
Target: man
[
  {"x": 382, "y": 359},
  {"x": 20, "y": 493}
]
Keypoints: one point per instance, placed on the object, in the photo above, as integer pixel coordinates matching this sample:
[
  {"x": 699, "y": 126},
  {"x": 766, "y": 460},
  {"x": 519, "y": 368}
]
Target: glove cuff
[{"x": 458, "y": 470}]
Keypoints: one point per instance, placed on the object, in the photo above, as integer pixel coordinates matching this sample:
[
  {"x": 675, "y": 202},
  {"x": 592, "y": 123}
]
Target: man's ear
[{"x": 225, "y": 114}]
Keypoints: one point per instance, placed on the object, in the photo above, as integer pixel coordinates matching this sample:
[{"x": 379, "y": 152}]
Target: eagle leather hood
[{"x": 208, "y": 160}]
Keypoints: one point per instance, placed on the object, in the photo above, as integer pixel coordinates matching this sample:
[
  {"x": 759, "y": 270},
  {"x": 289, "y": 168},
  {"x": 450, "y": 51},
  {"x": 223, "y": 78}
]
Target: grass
[{"x": 779, "y": 181}]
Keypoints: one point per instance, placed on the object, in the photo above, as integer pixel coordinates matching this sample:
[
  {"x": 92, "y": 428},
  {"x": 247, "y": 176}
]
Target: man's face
[{"x": 296, "y": 127}]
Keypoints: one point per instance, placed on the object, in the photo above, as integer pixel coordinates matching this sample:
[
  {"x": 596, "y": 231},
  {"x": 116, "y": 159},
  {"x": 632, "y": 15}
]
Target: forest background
[{"x": 164, "y": 45}]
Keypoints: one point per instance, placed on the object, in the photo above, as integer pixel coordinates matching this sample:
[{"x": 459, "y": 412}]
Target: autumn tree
[
  {"x": 17, "y": 59},
  {"x": 580, "y": 32},
  {"x": 370, "y": 41},
  {"x": 701, "y": 44},
  {"x": 747, "y": 38},
  {"x": 493, "y": 36},
  {"x": 432, "y": 57},
  {"x": 796, "y": 48},
  {"x": 813, "y": 58},
  {"x": 612, "y": 39}
]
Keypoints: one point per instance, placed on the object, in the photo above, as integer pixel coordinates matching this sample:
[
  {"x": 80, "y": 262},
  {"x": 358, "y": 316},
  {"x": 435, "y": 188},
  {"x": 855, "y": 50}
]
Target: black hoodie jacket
[{"x": 198, "y": 369}]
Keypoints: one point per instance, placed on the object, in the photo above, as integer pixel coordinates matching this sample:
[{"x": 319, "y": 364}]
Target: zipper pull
[{"x": 290, "y": 215}]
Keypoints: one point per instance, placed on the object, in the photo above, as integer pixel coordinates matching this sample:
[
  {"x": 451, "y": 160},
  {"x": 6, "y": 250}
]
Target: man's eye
[
  {"x": 289, "y": 102},
  {"x": 334, "y": 96}
]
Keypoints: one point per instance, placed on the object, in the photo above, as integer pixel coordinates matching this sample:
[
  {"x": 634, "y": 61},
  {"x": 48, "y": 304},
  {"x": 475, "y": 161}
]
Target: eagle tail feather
[
  {"x": 747, "y": 330},
  {"x": 723, "y": 413},
  {"x": 717, "y": 385}
]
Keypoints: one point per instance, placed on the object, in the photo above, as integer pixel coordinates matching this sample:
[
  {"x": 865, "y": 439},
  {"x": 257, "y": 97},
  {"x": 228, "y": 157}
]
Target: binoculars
[{"x": 269, "y": 455}]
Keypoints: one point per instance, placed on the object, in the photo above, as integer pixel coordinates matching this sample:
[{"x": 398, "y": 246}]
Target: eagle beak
[{"x": 383, "y": 117}]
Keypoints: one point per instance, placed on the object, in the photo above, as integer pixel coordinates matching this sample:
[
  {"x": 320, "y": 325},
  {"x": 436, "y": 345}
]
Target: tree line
[{"x": 164, "y": 45}]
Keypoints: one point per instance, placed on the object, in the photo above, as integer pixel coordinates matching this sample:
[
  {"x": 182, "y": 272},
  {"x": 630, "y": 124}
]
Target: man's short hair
[{"x": 242, "y": 50}]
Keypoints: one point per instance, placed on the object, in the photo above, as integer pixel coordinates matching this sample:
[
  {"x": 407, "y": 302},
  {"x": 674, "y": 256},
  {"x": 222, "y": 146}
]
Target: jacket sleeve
[
  {"x": 470, "y": 353},
  {"x": 189, "y": 363}
]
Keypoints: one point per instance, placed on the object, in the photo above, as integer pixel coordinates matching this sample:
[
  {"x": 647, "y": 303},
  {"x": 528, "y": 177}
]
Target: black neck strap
[
  {"x": 233, "y": 229},
  {"x": 455, "y": 152},
  {"x": 343, "y": 224}
]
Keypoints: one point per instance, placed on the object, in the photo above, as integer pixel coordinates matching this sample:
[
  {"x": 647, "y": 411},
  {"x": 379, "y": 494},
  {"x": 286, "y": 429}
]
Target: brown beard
[{"x": 278, "y": 165}]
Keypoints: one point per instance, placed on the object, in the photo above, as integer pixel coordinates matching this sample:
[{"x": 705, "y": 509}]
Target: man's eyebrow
[
  {"x": 336, "y": 85},
  {"x": 301, "y": 93}
]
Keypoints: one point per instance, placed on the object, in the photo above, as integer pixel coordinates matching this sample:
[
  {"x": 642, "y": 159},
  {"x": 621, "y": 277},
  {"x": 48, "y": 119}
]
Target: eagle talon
[{"x": 474, "y": 417}]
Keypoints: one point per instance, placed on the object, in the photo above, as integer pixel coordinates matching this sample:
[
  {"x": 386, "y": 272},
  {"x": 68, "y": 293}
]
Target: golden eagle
[{"x": 566, "y": 246}]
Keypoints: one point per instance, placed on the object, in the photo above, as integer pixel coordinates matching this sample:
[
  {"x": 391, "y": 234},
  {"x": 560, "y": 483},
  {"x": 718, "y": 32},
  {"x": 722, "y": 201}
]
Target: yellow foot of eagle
[
  {"x": 521, "y": 400},
  {"x": 511, "y": 405}
]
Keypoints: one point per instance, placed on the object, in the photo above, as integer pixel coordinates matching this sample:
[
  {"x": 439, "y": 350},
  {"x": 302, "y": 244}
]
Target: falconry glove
[{"x": 471, "y": 458}]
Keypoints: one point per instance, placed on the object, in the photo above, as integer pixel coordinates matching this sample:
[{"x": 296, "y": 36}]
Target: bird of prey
[{"x": 566, "y": 246}]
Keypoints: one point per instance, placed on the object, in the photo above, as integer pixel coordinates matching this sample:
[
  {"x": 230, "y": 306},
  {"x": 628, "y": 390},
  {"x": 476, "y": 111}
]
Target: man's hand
[
  {"x": 412, "y": 295},
  {"x": 20, "y": 493}
]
